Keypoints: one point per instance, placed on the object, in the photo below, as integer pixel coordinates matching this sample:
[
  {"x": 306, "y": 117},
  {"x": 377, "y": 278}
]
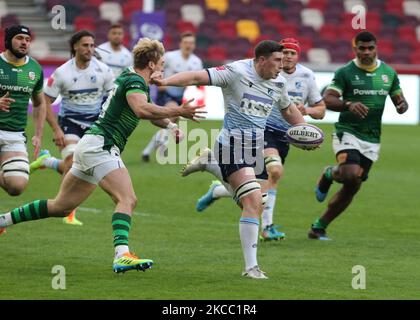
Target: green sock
[
  {"x": 319, "y": 224},
  {"x": 328, "y": 173},
  {"x": 31, "y": 211},
  {"x": 121, "y": 224}
]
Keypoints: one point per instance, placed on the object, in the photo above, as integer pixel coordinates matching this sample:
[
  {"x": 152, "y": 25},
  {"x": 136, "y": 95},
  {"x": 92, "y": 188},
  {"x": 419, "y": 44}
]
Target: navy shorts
[
  {"x": 232, "y": 159},
  {"x": 163, "y": 98},
  {"x": 76, "y": 125}
]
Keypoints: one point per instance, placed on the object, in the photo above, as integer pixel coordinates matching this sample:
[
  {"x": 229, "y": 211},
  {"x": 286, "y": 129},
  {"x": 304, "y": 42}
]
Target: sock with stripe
[
  {"x": 28, "y": 212},
  {"x": 320, "y": 224},
  {"x": 121, "y": 224},
  {"x": 248, "y": 231},
  {"x": 52, "y": 163}
]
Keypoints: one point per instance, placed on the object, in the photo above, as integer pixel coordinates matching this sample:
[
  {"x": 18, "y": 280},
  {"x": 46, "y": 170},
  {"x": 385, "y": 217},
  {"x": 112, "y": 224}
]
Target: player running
[
  {"x": 97, "y": 157},
  {"x": 21, "y": 79},
  {"x": 82, "y": 82},
  {"x": 251, "y": 89},
  {"x": 302, "y": 90},
  {"x": 363, "y": 83}
]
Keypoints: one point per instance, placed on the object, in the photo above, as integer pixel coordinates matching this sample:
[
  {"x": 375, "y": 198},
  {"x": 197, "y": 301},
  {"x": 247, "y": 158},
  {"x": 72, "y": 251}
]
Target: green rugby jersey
[
  {"x": 369, "y": 88},
  {"x": 117, "y": 120},
  {"x": 21, "y": 82}
]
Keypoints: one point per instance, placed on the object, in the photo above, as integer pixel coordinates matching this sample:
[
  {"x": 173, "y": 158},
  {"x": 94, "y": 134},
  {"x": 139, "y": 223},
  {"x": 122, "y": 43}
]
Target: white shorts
[
  {"x": 12, "y": 141},
  {"x": 348, "y": 141},
  {"x": 91, "y": 162}
]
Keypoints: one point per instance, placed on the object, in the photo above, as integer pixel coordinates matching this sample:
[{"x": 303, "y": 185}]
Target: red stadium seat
[
  {"x": 227, "y": 29},
  {"x": 185, "y": 26},
  {"x": 83, "y": 22},
  {"x": 216, "y": 54}
]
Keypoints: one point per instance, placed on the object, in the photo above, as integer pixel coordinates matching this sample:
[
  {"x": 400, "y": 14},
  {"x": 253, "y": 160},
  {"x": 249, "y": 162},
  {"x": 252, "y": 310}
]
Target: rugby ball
[{"x": 305, "y": 136}]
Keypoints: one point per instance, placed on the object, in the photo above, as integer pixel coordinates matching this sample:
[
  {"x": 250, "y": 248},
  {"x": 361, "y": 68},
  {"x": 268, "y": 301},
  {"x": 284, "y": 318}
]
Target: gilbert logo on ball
[{"x": 305, "y": 136}]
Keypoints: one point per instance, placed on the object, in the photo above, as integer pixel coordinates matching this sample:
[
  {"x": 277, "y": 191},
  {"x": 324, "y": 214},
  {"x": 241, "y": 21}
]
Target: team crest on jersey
[
  {"x": 270, "y": 92},
  {"x": 31, "y": 75},
  {"x": 279, "y": 84},
  {"x": 298, "y": 85},
  {"x": 385, "y": 78},
  {"x": 93, "y": 79}
]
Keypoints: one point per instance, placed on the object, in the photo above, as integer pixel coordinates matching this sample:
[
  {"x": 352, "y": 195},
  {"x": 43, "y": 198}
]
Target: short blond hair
[{"x": 147, "y": 50}]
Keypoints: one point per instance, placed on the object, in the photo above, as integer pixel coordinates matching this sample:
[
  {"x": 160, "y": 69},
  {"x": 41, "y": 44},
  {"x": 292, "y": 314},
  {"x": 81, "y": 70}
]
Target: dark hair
[
  {"x": 364, "y": 36},
  {"x": 266, "y": 47},
  {"x": 186, "y": 34},
  {"x": 75, "y": 38},
  {"x": 116, "y": 26}
]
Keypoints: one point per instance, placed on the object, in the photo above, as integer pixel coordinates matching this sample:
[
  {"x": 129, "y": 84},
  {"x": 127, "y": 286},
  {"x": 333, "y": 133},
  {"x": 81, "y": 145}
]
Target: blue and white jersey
[
  {"x": 82, "y": 90},
  {"x": 302, "y": 89},
  {"x": 116, "y": 60},
  {"x": 248, "y": 98},
  {"x": 175, "y": 63}
]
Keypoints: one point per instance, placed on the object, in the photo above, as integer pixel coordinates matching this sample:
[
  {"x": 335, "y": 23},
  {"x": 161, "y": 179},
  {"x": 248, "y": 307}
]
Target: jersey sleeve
[
  {"x": 135, "y": 85},
  {"x": 53, "y": 86},
  {"x": 109, "y": 80},
  {"x": 395, "y": 87},
  {"x": 338, "y": 83},
  {"x": 222, "y": 76},
  {"x": 314, "y": 95},
  {"x": 40, "y": 84}
]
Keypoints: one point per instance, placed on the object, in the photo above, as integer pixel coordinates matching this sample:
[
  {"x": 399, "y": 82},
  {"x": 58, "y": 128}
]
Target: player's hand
[
  {"x": 59, "y": 137},
  {"x": 192, "y": 112},
  {"x": 359, "y": 109},
  {"x": 5, "y": 102},
  {"x": 301, "y": 108},
  {"x": 177, "y": 134},
  {"x": 157, "y": 78},
  {"x": 36, "y": 142},
  {"x": 402, "y": 107}
]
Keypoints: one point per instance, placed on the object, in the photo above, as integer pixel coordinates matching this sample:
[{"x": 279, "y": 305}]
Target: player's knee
[
  {"x": 130, "y": 201},
  {"x": 275, "y": 173},
  {"x": 15, "y": 190},
  {"x": 352, "y": 181},
  {"x": 249, "y": 196}
]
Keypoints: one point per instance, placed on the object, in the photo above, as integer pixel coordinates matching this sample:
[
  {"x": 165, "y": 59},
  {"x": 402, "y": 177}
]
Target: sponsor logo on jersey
[
  {"x": 8, "y": 87},
  {"x": 360, "y": 92}
]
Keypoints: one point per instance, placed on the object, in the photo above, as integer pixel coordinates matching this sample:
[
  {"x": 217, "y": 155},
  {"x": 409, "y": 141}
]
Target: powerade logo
[
  {"x": 5, "y": 87},
  {"x": 381, "y": 92}
]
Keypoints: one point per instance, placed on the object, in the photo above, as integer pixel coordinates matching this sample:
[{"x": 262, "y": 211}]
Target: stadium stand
[{"x": 229, "y": 29}]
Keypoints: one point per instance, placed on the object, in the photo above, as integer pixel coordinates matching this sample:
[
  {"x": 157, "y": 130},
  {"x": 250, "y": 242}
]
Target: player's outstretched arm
[
  {"x": 145, "y": 110},
  {"x": 182, "y": 79},
  {"x": 39, "y": 114},
  {"x": 400, "y": 103},
  {"x": 317, "y": 111}
]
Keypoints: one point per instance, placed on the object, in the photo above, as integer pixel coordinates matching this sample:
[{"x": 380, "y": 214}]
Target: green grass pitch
[{"x": 198, "y": 256}]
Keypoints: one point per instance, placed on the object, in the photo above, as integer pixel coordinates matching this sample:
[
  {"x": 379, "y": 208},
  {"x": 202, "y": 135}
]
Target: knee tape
[
  {"x": 272, "y": 161},
  {"x": 16, "y": 167},
  {"x": 246, "y": 188}
]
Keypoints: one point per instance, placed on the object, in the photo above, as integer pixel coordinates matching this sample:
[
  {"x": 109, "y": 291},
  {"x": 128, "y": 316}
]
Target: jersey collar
[
  {"x": 2, "y": 55},
  {"x": 378, "y": 64}
]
